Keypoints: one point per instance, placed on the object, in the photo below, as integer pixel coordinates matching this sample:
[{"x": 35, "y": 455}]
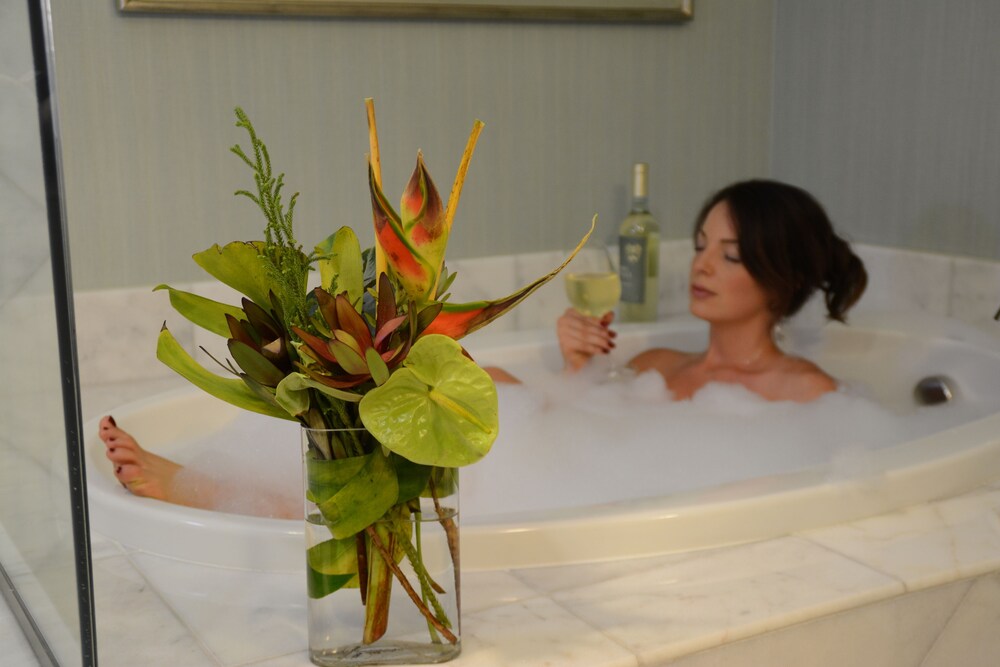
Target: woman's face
[{"x": 722, "y": 290}]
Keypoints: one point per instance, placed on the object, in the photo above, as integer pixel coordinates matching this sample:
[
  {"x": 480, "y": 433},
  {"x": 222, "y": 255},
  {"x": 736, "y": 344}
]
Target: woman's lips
[{"x": 699, "y": 292}]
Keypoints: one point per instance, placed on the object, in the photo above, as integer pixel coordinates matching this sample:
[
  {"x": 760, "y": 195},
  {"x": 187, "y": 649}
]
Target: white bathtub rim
[{"x": 901, "y": 475}]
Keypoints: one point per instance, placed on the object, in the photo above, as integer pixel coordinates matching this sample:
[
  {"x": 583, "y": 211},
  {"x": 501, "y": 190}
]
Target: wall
[
  {"x": 887, "y": 111},
  {"x": 147, "y": 120}
]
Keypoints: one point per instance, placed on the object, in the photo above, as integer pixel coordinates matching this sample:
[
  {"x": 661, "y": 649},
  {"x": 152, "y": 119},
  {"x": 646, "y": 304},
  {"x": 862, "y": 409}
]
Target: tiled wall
[{"x": 117, "y": 329}]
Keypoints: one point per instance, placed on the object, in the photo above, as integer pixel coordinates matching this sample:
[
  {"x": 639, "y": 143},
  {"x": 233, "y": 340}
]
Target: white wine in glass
[
  {"x": 593, "y": 293},
  {"x": 594, "y": 288}
]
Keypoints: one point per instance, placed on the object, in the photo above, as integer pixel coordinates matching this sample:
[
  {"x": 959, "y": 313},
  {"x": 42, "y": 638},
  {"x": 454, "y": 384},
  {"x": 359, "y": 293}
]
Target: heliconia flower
[
  {"x": 459, "y": 319},
  {"x": 414, "y": 240}
]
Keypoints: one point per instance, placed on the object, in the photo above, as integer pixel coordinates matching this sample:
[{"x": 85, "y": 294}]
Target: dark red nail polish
[
  {"x": 112, "y": 420},
  {"x": 118, "y": 470}
]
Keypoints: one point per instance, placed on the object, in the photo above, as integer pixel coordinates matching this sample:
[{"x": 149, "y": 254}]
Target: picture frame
[{"x": 661, "y": 11}]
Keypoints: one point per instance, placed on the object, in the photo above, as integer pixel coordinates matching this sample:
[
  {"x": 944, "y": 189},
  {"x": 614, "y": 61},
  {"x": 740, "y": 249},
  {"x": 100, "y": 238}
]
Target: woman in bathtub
[{"x": 762, "y": 248}]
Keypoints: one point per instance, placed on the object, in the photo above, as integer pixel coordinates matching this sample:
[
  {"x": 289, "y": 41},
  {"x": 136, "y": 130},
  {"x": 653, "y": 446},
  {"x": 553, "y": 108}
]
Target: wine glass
[{"x": 594, "y": 288}]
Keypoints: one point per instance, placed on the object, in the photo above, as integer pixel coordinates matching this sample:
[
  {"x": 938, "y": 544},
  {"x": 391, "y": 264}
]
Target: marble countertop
[{"x": 625, "y": 613}]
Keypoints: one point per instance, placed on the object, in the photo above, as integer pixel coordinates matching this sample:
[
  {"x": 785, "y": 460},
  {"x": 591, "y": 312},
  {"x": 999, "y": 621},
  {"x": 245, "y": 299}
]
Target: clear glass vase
[{"x": 383, "y": 584}]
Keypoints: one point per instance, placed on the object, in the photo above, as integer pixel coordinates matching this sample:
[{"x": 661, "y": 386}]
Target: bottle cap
[{"x": 640, "y": 180}]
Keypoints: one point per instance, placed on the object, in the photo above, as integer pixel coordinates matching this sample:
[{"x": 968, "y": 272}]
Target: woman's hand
[{"x": 581, "y": 337}]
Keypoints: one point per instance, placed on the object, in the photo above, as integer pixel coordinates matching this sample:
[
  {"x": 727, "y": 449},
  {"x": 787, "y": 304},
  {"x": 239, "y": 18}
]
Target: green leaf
[
  {"x": 439, "y": 409},
  {"x": 412, "y": 477},
  {"x": 233, "y": 391},
  {"x": 332, "y": 565},
  {"x": 348, "y": 358},
  {"x": 206, "y": 313},
  {"x": 241, "y": 266},
  {"x": 340, "y": 265},
  {"x": 292, "y": 393},
  {"x": 254, "y": 364},
  {"x": 376, "y": 366},
  {"x": 352, "y": 497}
]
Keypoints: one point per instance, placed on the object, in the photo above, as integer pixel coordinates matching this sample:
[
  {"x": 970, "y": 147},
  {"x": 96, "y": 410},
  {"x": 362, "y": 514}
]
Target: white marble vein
[
  {"x": 925, "y": 545},
  {"x": 135, "y": 626},
  {"x": 707, "y": 599},
  {"x": 240, "y": 616},
  {"x": 971, "y": 638},
  {"x": 893, "y": 633},
  {"x": 536, "y": 633}
]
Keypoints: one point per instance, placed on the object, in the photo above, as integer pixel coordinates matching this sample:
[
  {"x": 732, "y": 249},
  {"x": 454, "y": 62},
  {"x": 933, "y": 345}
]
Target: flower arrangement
[{"x": 371, "y": 349}]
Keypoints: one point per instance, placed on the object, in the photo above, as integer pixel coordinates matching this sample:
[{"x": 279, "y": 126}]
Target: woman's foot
[{"x": 141, "y": 472}]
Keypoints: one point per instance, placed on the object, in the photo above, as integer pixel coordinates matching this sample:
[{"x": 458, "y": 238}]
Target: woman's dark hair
[{"x": 788, "y": 245}]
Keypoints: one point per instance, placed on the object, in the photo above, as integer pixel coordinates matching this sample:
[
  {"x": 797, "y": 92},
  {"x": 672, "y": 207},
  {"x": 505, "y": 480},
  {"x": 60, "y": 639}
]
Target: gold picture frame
[{"x": 663, "y": 11}]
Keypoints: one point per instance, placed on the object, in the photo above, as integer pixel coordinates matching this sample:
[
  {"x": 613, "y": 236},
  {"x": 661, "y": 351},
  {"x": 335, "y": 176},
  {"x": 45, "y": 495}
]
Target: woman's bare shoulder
[
  {"x": 804, "y": 381},
  {"x": 662, "y": 359}
]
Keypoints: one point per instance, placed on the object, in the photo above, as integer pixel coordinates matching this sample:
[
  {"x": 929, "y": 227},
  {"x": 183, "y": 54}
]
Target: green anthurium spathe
[{"x": 439, "y": 408}]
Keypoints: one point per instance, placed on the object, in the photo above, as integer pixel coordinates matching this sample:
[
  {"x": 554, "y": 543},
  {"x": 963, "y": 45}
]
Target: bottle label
[{"x": 632, "y": 259}]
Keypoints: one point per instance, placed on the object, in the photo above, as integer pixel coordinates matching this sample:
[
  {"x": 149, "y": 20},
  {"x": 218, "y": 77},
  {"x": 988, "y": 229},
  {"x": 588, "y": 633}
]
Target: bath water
[{"x": 567, "y": 441}]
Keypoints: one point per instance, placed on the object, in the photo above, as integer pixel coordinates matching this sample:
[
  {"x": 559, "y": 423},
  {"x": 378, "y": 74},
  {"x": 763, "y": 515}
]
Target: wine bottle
[{"x": 639, "y": 254}]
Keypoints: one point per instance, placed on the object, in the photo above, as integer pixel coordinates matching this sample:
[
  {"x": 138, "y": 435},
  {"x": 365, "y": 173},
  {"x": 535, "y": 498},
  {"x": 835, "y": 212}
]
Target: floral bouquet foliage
[{"x": 373, "y": 347}]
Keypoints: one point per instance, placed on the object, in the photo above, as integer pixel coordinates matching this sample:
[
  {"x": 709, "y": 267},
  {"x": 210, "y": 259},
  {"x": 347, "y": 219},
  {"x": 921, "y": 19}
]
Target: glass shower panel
[{"x": 40, "y": 547}]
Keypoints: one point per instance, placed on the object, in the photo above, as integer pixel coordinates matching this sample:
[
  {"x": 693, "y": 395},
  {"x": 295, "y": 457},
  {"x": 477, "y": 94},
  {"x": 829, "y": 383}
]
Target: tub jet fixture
[{"x": 933, "y": 390}]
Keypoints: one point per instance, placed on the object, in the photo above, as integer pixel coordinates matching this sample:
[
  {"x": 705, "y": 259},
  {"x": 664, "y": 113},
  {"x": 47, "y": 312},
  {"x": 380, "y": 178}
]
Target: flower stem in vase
[{"x": 379, "y": 583}]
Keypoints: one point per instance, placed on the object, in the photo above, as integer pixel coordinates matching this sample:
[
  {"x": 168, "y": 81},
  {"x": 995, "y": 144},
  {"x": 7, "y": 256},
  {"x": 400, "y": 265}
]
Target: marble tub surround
[
  {"x": 728, "y": 606},
  {"x": 117, "y": 329},
  {"x": 920, "y": 586}
]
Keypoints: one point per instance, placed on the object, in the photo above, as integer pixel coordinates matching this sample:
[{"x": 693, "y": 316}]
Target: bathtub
[{"x": 884, "y": 354}]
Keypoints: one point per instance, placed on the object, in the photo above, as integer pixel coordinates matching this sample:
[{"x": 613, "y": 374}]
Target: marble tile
[
  {"x": 905, "y": 280},
  {"x": 675, "y": 263},
  {"x": 893, "y": 633},
  {"x": 103, "y": 547},
  {"x": 16, "y": 649},
  {"x": 536, "y": 632},
  {"x": 925, "y": 545},
  {"x": 724, "y": 595},
  {"x": 482, "y": 278},
  {"x": 117, "y": 332},
  {"x": 300, "y": 659},
  {"x": 240, "y": 616},
  {"x": 53, "y": 606},
  {"x": 135, "y": 626},
  {"x": 970, "y": 639},
  {"x": 975, "y": 293},
  {"x": 487, "y": 589},
  {"x": 549, "y": 580},
  {"x": 24, "y": 239},
  {"x": 543, "y": 307}
]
